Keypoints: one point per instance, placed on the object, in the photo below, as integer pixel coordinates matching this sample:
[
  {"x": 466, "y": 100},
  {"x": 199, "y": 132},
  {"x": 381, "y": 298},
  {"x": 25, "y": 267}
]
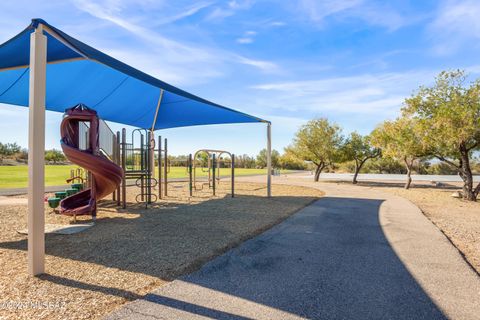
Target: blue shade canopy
[{"x": 78, "y": 73}]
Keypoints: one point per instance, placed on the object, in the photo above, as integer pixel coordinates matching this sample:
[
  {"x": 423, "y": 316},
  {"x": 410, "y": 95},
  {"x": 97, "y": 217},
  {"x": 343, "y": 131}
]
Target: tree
[
  {"x": 399, "y": 140},
  {"x": 244, "y": 161},
  {"x": 202, "y": 159},
  {"x": 289, "y": 161},
  {"x": 9, "y": 149},
  {"x": 448, "y": 114},
  {"x": 318, "y": 141},
  {"x": 385, "y": 164},
  {"x": 54, "y": 155},
  {"x": 262, "y": 158},
  {"x": 358, "y": 148}
]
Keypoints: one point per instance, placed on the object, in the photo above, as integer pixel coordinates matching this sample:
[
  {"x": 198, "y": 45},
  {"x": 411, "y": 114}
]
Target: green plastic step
[
  {"x": 71, "y": 191},
  {"x": 53, "y": 202},
  {"x": 77, "y": 186},
  {"x": 61, "y": 194}
]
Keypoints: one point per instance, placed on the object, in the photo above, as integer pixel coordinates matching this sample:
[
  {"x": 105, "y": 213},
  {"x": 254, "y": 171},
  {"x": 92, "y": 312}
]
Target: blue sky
[{"x": 352, "y": 61}]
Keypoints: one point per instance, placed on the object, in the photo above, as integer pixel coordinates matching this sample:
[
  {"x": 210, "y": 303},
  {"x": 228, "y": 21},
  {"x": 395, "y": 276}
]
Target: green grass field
[{"x": 17, "y": 176}]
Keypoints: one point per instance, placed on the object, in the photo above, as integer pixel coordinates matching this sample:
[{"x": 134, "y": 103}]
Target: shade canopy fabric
[{"x": 78, "y": 73}]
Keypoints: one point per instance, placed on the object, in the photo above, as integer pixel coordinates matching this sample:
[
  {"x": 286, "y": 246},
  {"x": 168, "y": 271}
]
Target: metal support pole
[
  {"x": 114, "y": 158},
  {"x": 165, "y": 171},
  {"x": 209, "y": 161},
  {"x": 149, "y": 166},
  {"x": 213, "y": 173},
  {"x": 190, "y": 166},
  {"x": 36, "y": 152},
  {"x": 233, "y": 175},
  {"x": 118, "y": 144},
  {"x": 142, "y": 167},
  {"x": 160, "y": 167},
  {"x": 124, "y": 167},
  {"x": 219, "y": 165},
  {"x": 269, "y": 160}
]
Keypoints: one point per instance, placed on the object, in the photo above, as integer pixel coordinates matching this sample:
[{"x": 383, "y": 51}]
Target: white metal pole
[
  {"x": 269, "y": 159},
  {"x": 36, "y": 153}
]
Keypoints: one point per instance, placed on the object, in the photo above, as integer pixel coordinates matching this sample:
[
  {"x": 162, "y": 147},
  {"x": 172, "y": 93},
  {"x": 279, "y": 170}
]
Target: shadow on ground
[
  {"x": 392, "y": 184},
  {"x": 168, "y": 239},
  {"x": 331, "y": 260}
]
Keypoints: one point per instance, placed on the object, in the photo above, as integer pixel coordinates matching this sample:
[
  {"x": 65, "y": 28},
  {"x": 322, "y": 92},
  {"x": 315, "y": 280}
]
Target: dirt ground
[{"x": 129, "y": 252}]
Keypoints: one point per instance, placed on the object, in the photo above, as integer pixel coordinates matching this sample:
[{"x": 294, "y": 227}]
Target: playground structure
[
  {"x": 118, "y": 92},
  {"x": 135, "y": 155},
  {"x": 214, "y": 161},
  {"x": 104, "y": 175},
  {"x": 137, "y": 159},
  {"x": 138, "y": 164}
]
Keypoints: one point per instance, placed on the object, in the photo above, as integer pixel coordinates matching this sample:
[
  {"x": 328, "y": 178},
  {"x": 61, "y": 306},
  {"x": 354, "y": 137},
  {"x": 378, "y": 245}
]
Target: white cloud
[
  {"x": 177, "y": 59},
  {"x": 231, "y": 8},
  {"x": 319, "y": 10},
  {"x": 260, "y": 64},
  {"x": 368, "y": 11},
  {"x": 219, "y": 14},
  {"x": 244, "y": 40},
  {"x": 247, "y": 38},
  {"x": 375, "y": 94},
  {"x": 456, "y": 24},
  {"x": 240, "y": 4},
  {"x": 185, "y": 13}
]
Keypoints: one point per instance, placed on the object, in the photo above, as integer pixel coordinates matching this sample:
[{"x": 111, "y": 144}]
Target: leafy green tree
[
  {"x": 54, "y": 156},
  {"x": 441, "y": 168},
  {"x": 448, "y": 116},
  {"x": 9, "y": 149},
  {"x": 358, "y": 148},
  {"x": 384, "y": 164},
  {"x": 318, "y": 141},
  {"x": 244, "y": 161},
  {"x": 202, "y": 159},
  {"x": 399, "y": 140},
  {"x": 261, "y": 160},
  {"x": 289, "y": 161}
]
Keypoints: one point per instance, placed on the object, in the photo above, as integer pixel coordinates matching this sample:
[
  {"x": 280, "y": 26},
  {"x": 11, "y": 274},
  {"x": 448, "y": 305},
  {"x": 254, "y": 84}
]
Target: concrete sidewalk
[
  {"x": 20, "y": 191},
  {"x": 354, "y": 254}
]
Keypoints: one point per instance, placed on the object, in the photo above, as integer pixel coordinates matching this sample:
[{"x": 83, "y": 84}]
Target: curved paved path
[{"x": 354, "y": 254}]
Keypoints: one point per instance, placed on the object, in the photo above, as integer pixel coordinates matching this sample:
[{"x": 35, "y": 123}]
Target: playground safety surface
[{"x": 129, "y": 252}]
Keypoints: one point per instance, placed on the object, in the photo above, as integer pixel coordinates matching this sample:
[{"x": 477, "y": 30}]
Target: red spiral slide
[{"x": 106, "y": 175}]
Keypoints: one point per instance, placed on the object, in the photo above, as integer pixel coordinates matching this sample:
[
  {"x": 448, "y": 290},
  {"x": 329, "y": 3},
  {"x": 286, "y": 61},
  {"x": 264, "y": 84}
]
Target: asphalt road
[{"x": 350, "y": 255}]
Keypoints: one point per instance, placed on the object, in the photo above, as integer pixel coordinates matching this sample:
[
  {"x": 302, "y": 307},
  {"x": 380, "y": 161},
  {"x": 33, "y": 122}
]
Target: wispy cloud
[
  {"x": 378, "y": 94},
  {"x": 247, "y": 38},
  {"x": 177, "y": 58},
  {"x": 221, "y": 12},
  {"x": 187, "y": 12},
  {"x": 456, "y": 24},
  {"x": 260, "y": 64},
  {"x": 244, "y": 40},
  {"x": 319, "y": 10},
  {"x": 277, "y": 24},
  {"x": 370, "y": 12}
]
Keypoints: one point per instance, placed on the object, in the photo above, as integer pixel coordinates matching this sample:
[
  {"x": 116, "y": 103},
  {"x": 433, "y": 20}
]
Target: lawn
[{"x": 17, "y": 176}]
